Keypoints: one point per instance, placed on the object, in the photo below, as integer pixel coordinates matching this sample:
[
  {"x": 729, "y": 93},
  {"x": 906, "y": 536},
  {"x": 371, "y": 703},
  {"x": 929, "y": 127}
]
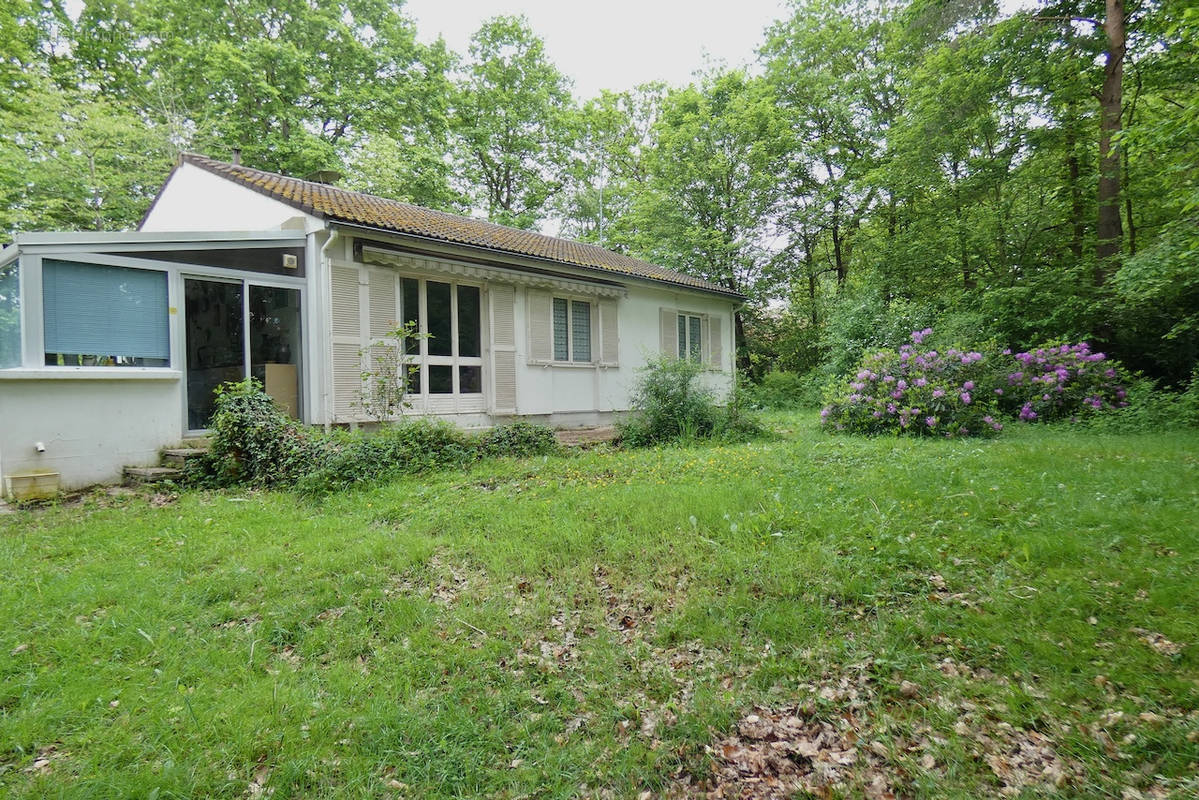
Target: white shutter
[
  {"x": 345, "y": 302},
  {"x": 541, "y": 326},
  {"x": 715, "y": 344},
  {"x": 382, "y": 295},
  {"x": 609, "y": 333},
  {"x": 347, "y": 381},
  {"x": 503, "y": 348},
  {"x": 668, "y": 320},
  {"x": 346, "y": 324}
]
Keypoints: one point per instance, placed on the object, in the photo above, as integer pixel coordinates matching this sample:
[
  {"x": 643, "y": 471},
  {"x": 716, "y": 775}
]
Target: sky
[{"x": 615, "y": 44}]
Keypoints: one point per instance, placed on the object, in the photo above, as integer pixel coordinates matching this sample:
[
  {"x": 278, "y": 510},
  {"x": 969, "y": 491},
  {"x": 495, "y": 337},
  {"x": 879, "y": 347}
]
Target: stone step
[
  {"x": 586, "y": 437},
  {"x": 179, "y": 456},
  {"x": 142, "y": 475}
]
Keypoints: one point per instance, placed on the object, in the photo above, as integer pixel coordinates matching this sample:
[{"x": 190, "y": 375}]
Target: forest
[{"x": 882, "y": 166}]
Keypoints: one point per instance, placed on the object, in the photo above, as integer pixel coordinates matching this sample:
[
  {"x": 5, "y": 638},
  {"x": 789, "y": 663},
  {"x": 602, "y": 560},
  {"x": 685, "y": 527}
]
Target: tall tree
[
  {"x": 711, "y": 183},
  {"x": 512, "y": 118}
]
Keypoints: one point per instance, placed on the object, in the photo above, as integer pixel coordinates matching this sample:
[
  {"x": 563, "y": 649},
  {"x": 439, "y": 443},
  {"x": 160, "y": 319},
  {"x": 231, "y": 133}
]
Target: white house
[{"x": 111, "y": 343}]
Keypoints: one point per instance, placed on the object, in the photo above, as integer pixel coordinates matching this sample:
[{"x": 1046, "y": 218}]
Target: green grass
[{"x": 508, "y": 631}]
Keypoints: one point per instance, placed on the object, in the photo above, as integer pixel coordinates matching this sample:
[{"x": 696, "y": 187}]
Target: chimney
[{"x": 236, "y": 156}]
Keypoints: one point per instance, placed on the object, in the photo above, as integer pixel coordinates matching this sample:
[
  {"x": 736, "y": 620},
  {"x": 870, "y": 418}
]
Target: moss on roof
[{"x": 343, "y": 205}]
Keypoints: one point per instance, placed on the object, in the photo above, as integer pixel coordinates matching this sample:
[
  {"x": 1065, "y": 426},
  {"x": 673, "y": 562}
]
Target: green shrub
[
  {"x": 788, "y": 390},
  {"x": 670, "y": 404},
  {"x": 518, "y": 440},
  {"x": 737, "y": 421},
  {"x": 1152, "y": 409},
  {"x": 410, "y": 446},
  {"x": 255, "y": 442}
]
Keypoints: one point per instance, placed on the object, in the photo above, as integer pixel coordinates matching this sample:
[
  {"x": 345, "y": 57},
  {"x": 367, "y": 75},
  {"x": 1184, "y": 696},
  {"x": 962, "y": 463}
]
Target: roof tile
[{"x": 344, "y": 205}]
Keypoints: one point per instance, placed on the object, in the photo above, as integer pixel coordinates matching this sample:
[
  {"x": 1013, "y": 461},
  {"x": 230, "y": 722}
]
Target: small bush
[
  {"x": 918, "y": 393},
  {"x": 406, "y": 447},
  {"x": 670, "y": 404},
  {"x": 1150, "y": 409},
  {"x": 255, "y": 442},
  {"x": 788, "y": 390},
  {"x": 518, "y": 440},
  {"x": 1060, "y": 382}
]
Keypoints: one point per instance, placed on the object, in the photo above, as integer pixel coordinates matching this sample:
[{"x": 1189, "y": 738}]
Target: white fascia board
[{"x": 108, "y": 239}]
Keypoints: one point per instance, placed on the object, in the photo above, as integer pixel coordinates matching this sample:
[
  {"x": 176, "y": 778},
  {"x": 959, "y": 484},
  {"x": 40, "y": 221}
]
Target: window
[
  {"x": 10, "y": 316},
  {"x": 449, "y": 360},
  {"x": 690, "y": 337},
  {"x": 572, "y": 330},
  {"x": 97, "y": 315}
]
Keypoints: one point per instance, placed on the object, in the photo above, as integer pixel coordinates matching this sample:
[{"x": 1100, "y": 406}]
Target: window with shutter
[{"x": 572, "y": 329}]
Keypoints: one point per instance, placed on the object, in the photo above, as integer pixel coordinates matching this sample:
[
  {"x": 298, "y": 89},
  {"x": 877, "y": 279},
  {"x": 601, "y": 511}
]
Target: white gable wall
[{"x": 197, "y": 200}]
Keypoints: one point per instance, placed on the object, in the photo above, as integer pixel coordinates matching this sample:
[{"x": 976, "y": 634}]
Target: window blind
[
  {"x": 93, "y": 309},
  {"x": 561, "y": 342},
  {"x": 580, "y": 329}
]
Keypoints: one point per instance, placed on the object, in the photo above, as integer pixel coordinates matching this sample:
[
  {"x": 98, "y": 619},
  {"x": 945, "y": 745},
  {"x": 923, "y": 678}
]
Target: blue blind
[
  {"x": 580, "y": 329},
  {"x": 92, "y": 309}
]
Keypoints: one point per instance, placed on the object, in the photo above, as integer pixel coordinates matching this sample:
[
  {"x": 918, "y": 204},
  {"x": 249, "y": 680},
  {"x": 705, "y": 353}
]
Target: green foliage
[
  {"x": 788, "y": 390},
  {"x": 511, "y": 116},
  {"x": 671, "y": 404},
  {"x": 405, "y": 447},
  {"x": 1151, "y": 409},
  {"x": 255, "y": 442},
  {"x": 385, "y": 383},
  {"x": 517, "y": 440}
]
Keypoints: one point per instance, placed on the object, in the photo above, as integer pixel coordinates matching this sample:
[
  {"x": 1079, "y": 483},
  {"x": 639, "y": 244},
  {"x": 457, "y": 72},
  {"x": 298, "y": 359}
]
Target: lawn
[{"x": 809, "y": 614}]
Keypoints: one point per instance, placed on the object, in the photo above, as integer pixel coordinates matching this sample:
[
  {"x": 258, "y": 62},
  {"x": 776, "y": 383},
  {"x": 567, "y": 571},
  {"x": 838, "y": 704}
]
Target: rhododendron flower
[
  {"x": 968, "y": 385},
  {"x": 938, "y": 393},
  {"x": 930, "y": 422}
]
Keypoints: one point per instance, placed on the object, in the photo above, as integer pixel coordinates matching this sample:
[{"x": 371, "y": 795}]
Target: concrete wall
[{"x": 91, "y": 426}]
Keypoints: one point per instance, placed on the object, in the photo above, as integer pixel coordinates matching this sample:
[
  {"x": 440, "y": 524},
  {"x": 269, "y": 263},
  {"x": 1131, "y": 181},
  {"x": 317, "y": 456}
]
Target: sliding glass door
[{"x": 235, "y": 330}]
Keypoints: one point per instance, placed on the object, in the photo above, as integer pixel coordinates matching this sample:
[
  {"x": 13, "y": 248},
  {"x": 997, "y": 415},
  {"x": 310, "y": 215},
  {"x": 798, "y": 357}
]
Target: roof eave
[{"x": 608, "y": 274}]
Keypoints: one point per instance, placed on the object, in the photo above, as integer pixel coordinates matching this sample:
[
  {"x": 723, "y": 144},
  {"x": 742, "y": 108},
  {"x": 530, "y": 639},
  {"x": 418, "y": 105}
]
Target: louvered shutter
[
  {"x": 503, "y": 348},
  {"x": 541, "y": 327},
  {"x": 609, "y": 333},
  {"x": 382, "y": 303},
  {"x": 715, "y": 344},
  {"x": 668, "y": 323},
  {"x": 346, "y": 324}
]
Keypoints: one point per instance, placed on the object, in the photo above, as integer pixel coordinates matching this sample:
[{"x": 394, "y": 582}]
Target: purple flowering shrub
[
  {"x": 917, "y": 392},
  {"x": 1059, "y": 382},
  {"x": 925, "y": 392}
]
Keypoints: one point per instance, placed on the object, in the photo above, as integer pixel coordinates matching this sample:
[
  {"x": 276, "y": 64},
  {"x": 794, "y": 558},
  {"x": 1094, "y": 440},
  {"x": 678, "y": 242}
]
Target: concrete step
[
  {"x": 135, "y": 476},
  {"x": 586, "y": 437},
  {"x": 179, "y": 456}
]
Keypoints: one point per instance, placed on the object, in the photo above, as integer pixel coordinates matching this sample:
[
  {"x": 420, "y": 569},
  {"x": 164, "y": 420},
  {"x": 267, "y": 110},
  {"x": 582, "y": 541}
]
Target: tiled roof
[{"x": 343, "y": 205}]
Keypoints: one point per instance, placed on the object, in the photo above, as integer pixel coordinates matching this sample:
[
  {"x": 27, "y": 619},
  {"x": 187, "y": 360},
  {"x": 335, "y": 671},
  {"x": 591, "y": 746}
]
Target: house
[{"x": 111, "y": 343}]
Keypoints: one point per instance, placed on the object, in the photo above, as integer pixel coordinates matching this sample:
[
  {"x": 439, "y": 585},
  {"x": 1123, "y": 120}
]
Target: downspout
[{"x": 326, "y": 301}]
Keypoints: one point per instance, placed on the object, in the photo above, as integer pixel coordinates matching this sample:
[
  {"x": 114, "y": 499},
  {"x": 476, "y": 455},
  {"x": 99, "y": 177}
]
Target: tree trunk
[
  {"x": 742, "y": 361},
  {"x": 1109, "y": 231}
]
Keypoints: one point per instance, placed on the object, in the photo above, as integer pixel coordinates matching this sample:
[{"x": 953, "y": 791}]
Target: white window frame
[
  {"x": 592, "y": 318},
  {"x": 423, "y": 360},
  {"x": 687, "y": 352}
]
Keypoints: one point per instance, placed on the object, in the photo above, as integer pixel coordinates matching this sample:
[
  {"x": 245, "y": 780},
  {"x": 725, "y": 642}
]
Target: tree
[
  {"x": 711, "y": 183},
  {"x": 512, "y": 118}
]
